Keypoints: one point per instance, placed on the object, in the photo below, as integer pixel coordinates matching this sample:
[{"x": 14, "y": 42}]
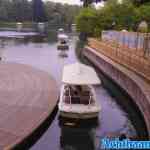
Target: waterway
[{"x": 42, "y": 53}]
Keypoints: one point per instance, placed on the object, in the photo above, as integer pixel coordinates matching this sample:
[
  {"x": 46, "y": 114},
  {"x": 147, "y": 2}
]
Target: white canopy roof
[
  {"x": 19, "y": 23},
  {"x": 79, "y": 74},
  {"x": 62, "y": 36},
  {"x": 60, "y": 29}
]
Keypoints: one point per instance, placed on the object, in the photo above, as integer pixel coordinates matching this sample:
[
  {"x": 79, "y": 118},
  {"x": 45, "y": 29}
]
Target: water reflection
[
  {"x": 63, "y": 54},
  {"x": 77, "y": 138},
  {"x": 2, "y": 43},
  {"x": 78, "y": 134},
  {"x": 24, "y": 39}
]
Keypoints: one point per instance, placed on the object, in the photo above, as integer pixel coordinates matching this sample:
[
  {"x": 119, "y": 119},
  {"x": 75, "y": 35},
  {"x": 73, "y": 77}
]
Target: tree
[
  {"x": 86, "y": 3},
  {"x": 124, "y": 15},
  {"x": 57, "y": 14},
  {"x": 144, "y": 13},
  {"x": 140, "y": 2},
  {"x": 3, "y": 10},
  {"x": 61, "y": 15},
  {"x": 86, "y": 21},
  {"x": 19, "y": 10},
  {"x": 38, "y": 11}
]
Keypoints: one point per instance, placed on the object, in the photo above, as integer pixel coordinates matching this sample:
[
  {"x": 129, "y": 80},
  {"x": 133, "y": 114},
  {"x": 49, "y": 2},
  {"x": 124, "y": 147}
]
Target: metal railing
[
  {"x": 130, "y": 40},
  {"x": 134, "y": 54},
  {"x": 78, "y": 99}
]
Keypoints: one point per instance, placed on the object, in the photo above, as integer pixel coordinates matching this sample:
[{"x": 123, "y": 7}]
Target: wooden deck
[{"x": 27, "y": 97}]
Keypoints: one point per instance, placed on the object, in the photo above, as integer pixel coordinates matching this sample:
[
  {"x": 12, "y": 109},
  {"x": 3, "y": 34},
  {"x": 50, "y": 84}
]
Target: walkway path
[{"x": 27, "y": 97}]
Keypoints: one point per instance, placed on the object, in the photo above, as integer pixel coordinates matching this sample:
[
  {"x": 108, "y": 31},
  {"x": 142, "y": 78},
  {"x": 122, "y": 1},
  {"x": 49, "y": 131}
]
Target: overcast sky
[
  {"x": 66, "y": 1},
  {"x": 78, "y": 2}
]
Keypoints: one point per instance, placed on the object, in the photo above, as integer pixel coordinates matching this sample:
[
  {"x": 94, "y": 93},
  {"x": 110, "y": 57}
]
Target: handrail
[
  {"x": 90, "y": 99},
  {"x": 80, "y": 98},
  {"x": 133, "y": 59}
]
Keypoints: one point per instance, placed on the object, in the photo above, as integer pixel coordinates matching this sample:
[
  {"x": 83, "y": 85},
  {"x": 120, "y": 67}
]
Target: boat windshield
[{"x": 77, "y": 94}]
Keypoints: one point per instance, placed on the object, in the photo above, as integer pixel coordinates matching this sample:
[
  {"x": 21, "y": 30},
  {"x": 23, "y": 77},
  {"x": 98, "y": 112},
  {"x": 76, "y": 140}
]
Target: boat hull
[
  {"x": 78, "y": 115},
  {"x": 62, "y": 47},
  {"x": 79, "y": 110}
]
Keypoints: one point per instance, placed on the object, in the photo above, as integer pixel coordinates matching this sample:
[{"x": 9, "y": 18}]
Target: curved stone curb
[{"x": 135, "y": 86}]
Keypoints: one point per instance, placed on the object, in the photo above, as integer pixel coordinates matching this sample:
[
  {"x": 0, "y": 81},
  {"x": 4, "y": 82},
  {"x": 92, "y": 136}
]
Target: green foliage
[
  {"x": 123, "y": 14},
  {"x": 87, "y": 3},
  {"x": 61, "y": 15},
  {"x": 139, "y": 2},
  {"x": 86, "y": 20},
  {"x": 113, "y": 15},
  {"x": 144, "y": 14},
  {"x": 22, "y": 11}
]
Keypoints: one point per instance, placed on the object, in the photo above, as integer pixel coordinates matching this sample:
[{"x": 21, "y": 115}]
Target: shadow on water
[
  {"x": 50, "y": 37},
  {"x": 71, "y": 139},
  {"x": 127, "y": 104},
  {"x": 122, "y": 98},
  {"x": 74, "y": 138},
  {"x": 22, "y": 40},
  {"x": 79, "y": 123},
  {"x": 35, "y": 136}
]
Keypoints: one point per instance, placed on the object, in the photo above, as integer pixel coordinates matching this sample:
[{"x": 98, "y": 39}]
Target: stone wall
[{"x": 134, "y": 85}]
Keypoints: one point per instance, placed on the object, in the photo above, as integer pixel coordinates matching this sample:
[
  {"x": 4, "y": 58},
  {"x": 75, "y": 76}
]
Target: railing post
[
  {"x": 145, "y": 44},
  {"x": 90, "y": 100}
]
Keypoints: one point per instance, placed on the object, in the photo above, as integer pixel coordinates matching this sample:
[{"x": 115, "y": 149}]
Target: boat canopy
[
  {"x": 60, "y": 30},
  {"x": 80, "y": 74},
  {"x": 62, "y": 36}
]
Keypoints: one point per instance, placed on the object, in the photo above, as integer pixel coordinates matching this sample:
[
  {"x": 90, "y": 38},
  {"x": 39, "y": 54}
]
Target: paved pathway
[{"x": 27, "y": 97}]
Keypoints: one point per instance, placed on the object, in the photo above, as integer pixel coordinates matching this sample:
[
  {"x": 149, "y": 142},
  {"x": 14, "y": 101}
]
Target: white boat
[
  {"x": 79, "y": 103},
  {"x": 60, "y": 30},
  {"x": 62, "y": 40}
]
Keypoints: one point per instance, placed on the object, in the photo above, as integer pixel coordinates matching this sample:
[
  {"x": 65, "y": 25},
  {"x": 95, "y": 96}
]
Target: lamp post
[
  {"x": 113, "y": 24},
  {"x": 143, "y": 27},
  {"x": 19, "y": 26}
]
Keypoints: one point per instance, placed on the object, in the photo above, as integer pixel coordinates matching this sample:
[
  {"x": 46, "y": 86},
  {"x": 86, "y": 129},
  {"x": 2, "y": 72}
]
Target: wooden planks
[{"x": 27, "y": 97}]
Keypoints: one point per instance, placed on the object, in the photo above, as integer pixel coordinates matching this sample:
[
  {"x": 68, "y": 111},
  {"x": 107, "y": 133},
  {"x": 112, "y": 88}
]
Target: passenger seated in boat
[
  {"x": 72, "y": 89},
  {"x": 74, "y": 93},
  {"x": 66, "y": 93},
  {"x": 67, "y": 99},
  {"x": 63, "y": 42},
  {"x": 78, "y": 90},
  {"x": 77, "y": 95}
]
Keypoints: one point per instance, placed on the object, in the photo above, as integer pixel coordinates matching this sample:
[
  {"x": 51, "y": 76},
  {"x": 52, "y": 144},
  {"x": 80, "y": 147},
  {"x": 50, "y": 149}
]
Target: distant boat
[
  {"x": 62, "y": 40},
  {"x": 78, "y": 98},
  {"x": 60, "y": 30}
]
